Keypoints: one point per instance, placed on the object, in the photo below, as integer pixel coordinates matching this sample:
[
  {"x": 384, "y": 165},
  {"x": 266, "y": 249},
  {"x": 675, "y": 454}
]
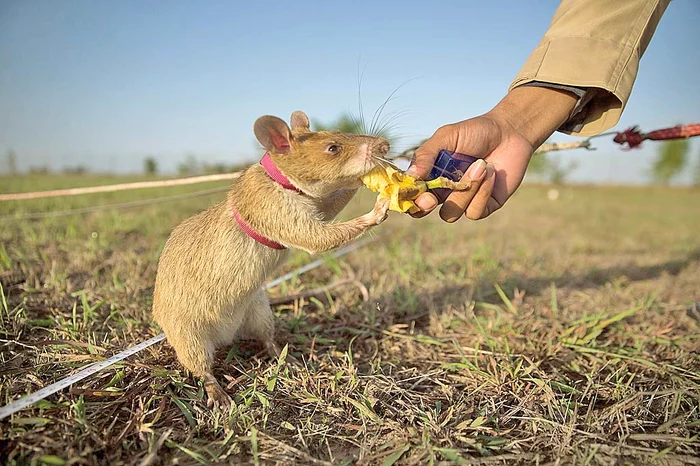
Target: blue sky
[{"x": 106, "y": 83}]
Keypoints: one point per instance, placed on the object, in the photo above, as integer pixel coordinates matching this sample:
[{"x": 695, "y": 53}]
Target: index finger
[{"x": 425, "y": 155}]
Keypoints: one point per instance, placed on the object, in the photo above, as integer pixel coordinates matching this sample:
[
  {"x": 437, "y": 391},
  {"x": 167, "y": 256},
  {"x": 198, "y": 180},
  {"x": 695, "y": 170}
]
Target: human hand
[
  {"x": 504, "y": 157},
  {"x": 504, "y": 138}
]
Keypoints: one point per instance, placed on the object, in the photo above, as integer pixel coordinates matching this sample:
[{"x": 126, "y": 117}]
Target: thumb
[{"x": 425, "y": 155}]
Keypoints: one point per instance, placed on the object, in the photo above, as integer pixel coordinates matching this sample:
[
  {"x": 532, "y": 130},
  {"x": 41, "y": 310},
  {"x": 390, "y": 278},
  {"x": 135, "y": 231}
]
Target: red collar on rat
[
  {"x": 253, "y": 234},
  {"x": 274, "y": 173}
]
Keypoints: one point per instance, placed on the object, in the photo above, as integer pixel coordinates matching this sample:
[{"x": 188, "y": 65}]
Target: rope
[
  {"x": 554, "y": 146},
  {"x": 123, "y": 205},
  {"x": 586, "y": 144},
  {"x": 633, "y": 137},
  {"x": 118, "y": 187}
]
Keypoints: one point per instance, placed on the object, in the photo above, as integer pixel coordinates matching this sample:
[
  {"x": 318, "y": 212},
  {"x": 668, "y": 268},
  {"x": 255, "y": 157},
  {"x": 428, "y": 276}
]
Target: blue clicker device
[{"x": 452, "y": 165}]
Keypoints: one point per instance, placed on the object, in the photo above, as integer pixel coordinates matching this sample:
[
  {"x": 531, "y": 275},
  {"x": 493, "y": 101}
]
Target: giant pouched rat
[{"x": 209, "y": 283}]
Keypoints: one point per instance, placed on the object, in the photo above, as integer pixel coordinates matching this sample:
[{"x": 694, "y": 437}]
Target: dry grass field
[{"x": 554, "y": 332}]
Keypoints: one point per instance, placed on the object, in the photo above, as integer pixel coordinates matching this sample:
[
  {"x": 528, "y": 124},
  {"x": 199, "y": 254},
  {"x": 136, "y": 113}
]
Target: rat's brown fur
[{"x": 209, "y": 284}]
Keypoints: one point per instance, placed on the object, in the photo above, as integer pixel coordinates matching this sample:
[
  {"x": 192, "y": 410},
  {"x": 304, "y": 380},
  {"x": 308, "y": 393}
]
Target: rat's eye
[{"x": 333, "y": 149}]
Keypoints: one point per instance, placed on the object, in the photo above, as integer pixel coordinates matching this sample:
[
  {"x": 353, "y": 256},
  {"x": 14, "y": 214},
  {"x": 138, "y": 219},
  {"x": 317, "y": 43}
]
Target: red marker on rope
[{"x": 634, "y": 138}]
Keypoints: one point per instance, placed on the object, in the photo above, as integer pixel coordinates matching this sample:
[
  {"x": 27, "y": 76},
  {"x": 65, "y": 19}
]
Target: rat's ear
[
  {"x": 274, "y": 134},
  {"x": 300, "y": 122}
]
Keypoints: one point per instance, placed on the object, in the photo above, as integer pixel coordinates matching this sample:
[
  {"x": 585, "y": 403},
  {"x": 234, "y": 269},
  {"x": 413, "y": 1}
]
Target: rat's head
[{"x": 322, "y": 162}]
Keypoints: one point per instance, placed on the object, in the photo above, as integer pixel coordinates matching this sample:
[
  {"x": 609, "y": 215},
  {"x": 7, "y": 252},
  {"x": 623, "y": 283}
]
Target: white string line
[
  {"x": 32, "y": 398},
  {"x": 123, "y": 205},
  {"x": 119, "y": 187},
  {"x": 90, "y": 369}
]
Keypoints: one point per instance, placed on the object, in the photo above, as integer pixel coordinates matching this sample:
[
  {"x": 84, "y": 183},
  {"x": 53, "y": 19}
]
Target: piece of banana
[{"x": 401, "y": 189}]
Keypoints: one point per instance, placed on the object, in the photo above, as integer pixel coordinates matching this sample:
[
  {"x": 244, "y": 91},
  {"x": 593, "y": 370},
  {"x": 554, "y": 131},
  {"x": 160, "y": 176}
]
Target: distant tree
[
  {"x": 193, "y": 166},
  {"x": 238, "y": 167},
  {"x": 560, "y": 172},
  {"x": 11, "y": 162},
  {"x": 696, "y": 172},
  {"x": 345, "y": 123},
  {"x": 213, "y": 168},
  {"x": 76, "y": 170},
  {"x": 190, "y": 166},
  {"x": 218, "y": 168},
  {"x": 40, "y": 170},
  {"x": 539, "y": 165},
  {"x": 552, "y": 169},
  {"x": 670, "y": 161},
  {"x": 150, "y": 166}
]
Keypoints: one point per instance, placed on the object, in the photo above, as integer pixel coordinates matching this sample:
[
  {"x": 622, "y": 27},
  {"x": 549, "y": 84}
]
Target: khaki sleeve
[{"x": 596, "y": 45}]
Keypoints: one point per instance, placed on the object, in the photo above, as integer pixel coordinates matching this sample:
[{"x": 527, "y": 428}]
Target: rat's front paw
[{"x": 379, "y": 213}]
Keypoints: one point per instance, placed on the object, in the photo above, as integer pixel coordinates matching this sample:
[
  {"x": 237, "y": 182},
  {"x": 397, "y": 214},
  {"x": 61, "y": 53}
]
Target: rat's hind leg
[
  {"x": 215, "y": 392},
  {"x": 198, "y": 357},
  {"x": 259, "y": 323}
]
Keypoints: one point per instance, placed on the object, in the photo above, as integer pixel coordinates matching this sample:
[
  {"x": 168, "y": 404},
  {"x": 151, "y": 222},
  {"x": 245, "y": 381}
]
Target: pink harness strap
[
  {"x": 253, "y": 234},
  {"x": 274, "y": 173}
]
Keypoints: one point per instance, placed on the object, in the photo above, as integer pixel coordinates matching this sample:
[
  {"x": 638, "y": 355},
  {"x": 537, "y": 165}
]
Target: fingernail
[
  {"x": 426, "y": 202},
  {"x": 477, "y": 170},
  {"x": 412, "y": 171},
  {"x": 450, "y": 212}
]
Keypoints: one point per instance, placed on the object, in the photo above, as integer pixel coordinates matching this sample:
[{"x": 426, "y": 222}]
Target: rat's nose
[{"x": 383, "y": 148}]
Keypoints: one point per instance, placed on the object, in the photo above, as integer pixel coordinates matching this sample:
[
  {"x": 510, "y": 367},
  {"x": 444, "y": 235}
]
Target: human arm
[{"x": 591, "y": 45}]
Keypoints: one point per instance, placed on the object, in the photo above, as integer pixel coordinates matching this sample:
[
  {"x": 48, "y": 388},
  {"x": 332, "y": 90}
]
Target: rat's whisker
[
  {"x": 380, "y": 109},
  {"x": 377, "y": 114},
  {"x": 369, "y": 165},
  {"x": 359, "y": 96},
  {"x": 378, "y": 161},
  {"x": 357, "y": 124},
  {"x": 386, "y": 125},
  {"x": 382, "y": 162}
]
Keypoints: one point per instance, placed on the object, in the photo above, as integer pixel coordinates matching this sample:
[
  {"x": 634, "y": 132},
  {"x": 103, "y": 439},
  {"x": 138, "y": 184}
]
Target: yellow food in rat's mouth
[
  {"x": 394, "y": 185},
  {"x": 401, "y": 189}
]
